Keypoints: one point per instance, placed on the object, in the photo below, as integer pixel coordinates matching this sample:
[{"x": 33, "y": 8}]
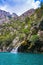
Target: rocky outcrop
[
  {"x": 4, "y": 14},
  {"x": 27, "y": 14},
  {"x": 15, "y": 16}
]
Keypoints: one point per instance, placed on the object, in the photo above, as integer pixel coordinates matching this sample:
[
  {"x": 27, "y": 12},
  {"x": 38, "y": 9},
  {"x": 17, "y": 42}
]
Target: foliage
[{"x": 34, "y": 38}]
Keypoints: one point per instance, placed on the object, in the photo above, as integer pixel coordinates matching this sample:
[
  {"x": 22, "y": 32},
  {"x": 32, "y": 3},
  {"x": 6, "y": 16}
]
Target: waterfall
[{"x": 14, "y": 50}]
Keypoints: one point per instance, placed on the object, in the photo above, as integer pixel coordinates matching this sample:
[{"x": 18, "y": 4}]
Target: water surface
[{"x": 21, "y": 59}]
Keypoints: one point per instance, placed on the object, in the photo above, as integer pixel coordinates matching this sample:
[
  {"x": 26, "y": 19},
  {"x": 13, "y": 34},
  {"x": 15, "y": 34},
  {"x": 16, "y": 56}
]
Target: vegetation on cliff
[{"x": 28, "y": 33}]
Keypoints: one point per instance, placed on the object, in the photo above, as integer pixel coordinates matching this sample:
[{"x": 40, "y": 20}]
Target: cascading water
[{"x": 14, "y": 50}]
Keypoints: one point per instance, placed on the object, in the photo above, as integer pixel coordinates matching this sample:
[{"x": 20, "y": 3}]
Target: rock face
[
  {"x": 27, "y": 14},
  {"x": 4, "y": 20},
  {"x": 14, "y": 16},
  {"x": 4, "y": 14}
]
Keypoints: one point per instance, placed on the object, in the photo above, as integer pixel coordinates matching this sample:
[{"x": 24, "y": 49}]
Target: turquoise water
[{"x": 21, "y": 59}]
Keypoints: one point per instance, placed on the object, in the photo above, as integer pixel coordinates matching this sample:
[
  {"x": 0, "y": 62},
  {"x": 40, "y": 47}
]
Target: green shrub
[{"x": 34, "y": 38}]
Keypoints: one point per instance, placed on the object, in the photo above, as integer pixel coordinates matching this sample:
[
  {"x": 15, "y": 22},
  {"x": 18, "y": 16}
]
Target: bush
[{"x": 34, "y": 38}]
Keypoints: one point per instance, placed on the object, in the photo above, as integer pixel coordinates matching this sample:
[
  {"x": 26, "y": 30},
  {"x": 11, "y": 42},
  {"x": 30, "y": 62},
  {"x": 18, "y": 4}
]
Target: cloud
[
  {"x": 19, "y": 6},
  {"x": 36, "y": 4}
]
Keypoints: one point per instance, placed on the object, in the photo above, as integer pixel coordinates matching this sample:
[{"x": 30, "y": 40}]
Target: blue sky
[
  {"x": 19, "y": 6},
  {"x": 39, "y": 0}
]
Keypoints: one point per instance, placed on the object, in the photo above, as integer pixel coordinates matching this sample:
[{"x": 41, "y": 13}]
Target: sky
[{"x": 19, "y": 6}]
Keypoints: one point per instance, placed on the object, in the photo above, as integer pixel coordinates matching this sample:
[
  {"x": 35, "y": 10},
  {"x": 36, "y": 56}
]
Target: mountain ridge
[{"x": 3, "y": 12}]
